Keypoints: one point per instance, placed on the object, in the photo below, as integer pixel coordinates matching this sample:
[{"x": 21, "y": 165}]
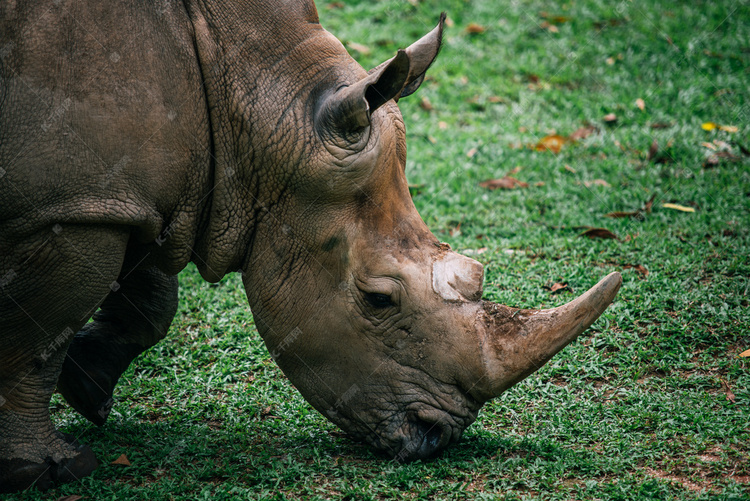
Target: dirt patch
[{"x": 684, "y": 482}]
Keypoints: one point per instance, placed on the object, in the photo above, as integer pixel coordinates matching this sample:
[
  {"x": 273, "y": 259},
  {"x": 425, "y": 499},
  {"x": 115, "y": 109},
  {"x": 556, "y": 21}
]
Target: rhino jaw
[{"x": 515, "y": 343}]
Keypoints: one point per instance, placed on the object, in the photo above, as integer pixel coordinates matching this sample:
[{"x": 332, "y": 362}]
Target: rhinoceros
[{"x": 137, "y": 137}]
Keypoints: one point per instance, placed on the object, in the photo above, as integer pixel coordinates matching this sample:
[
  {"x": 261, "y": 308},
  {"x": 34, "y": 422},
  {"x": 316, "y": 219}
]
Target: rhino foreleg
[
  {"x": 52, "y": 282},
  {"x": 133, "y": 318}
]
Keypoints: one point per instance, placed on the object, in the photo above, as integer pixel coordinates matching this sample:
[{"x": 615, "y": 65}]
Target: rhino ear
[
  {"x": 421, "y": 54},
  {"x": 347, "y": 111}
]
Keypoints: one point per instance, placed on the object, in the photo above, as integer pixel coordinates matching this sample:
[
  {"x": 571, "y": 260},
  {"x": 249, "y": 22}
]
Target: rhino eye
[{"x": 377, "y": 300}]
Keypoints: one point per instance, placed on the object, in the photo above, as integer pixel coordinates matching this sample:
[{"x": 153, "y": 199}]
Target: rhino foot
[
  {"x": 88, "y": 381},
  {"x": 19, "y": 474}
]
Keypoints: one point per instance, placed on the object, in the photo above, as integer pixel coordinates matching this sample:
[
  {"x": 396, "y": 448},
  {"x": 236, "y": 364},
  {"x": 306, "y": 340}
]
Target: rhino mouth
[
  {"x": 421, "y": 434},
  {"x": 426, "y": 440}
]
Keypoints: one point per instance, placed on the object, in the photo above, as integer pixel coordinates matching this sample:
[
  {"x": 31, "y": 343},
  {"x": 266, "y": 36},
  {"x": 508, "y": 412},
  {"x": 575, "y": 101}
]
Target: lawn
[{"x": 653, "y": 402}]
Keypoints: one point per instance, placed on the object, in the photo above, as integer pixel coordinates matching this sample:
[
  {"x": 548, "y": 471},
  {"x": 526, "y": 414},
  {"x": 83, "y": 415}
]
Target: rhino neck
[
  {"x": 262, "y": 72},
  {"x": 235, "y": 43}
]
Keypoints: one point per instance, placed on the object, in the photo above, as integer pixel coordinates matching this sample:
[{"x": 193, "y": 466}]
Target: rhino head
[{"x": 381, "y": 327}]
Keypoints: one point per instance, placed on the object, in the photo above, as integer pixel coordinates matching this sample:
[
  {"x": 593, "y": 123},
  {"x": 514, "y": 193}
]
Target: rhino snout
[{"x": 426, "y": 439}]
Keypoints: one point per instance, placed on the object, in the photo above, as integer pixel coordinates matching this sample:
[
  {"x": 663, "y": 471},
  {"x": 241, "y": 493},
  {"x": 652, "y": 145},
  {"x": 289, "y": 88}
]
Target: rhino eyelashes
[{"x": 377, "y": 300}]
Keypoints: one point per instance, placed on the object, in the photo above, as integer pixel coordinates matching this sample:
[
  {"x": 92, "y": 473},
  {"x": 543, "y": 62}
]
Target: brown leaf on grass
[
  {"x": 583, "y": 132},
  {"x": 546, "y": 25},
  {"x": 610, "y": 118},
  {"x": 640, "y": 104},
  {"x": 649, "y": 203},
  {"x": 553, "y": 143},
  {"x": 557, "y": 287},
  {"x": 471, "y": 152},
  {"x": 362, "y": 49},
  {"x": 474, "y": 28},
  {"x": 720, "y": 157},
  {"x": 727, "y": 390},
  {"x": 597, "y": 182},
  {"x": 495, "y": 99},
  {"x": 425, "y": 104},
  {"x": 661, "y": 125},
  {"x": 554, "y": 19},
  {"x": 637, "y": 267},
  {"x": 619, "y": 214},
  {"x": 745, "y": 353},
  {"x": 515, "y": 170},
  {"x": 335, "y": 5},
  {"x": 72, "y": 497},
  {"x": 599, "y": 233},
  {"x": 122, "y": 460},
  {"x": 636, "y": 214},
  {"x": 652, "y": 150},
  {"x": 506, "y": 183}
]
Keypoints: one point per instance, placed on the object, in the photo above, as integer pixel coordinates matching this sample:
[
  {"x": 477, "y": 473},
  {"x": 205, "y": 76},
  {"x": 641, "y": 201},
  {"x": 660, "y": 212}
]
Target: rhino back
[{"x": 102, "y": 117}]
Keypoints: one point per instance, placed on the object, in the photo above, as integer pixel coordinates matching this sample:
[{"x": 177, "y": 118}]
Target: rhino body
[{"x": 137, "y": 137}]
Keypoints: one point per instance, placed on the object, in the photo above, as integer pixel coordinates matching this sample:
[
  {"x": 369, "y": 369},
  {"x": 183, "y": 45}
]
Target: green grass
[{"x": 638, "y": 408}]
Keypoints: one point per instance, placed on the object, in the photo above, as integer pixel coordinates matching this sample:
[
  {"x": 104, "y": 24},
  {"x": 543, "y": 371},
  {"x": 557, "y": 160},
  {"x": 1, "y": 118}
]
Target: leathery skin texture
[{"x": 136, "y": 138}]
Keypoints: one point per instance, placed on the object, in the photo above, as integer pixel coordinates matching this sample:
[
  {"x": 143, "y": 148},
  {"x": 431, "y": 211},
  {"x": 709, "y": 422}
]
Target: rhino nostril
[{"x": 430, "y": 436}]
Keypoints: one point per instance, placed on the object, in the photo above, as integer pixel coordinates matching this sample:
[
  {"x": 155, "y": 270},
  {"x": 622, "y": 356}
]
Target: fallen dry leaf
[
  {"x": 557, "y": 287},
  {"x": 122, "y": 460},
  {"x": 495, "y": 99},
  {"x": 745, "y": 353},
  {"x": 637, "y": 214},
  {"x": 678, "y": 207},
  {"x": 710, "y": 146},
  {"x": 610, "y": 61},
  {"x": 640, "y": 104},
  {"x": 474, "y": 28},
  {"x": 546, "y": 25},
  {"x": 442, "y": 125},
  {"x": 72, "y": 497},
  {"x": 652, "y": 150},
  {"x": 720, "y": 157},
  {"x": 425, "y": 104},
  {"x": 583, "y": 132},
  {"x": 610, "y": 118},
  {"x": 569, "y": 168},
  {"x": 661, "y": 125},
  {"x": 637, "y": 267},
  {"x": 619, "y": 214},
  {"x": 515, "y": 170},
  {"x": 649, "y": 203},
  {"x": 597, "y": 182},
  {"x": 335, "y": 5},
  {"x": 362, "y": 49},
  {"x": 727, "y": 391},
  {"x": 599, "y": 233},
  {"x": 553, "y": 143},
  {"x": 506, "y": 183},
  {"x": 471, "y": 152}
]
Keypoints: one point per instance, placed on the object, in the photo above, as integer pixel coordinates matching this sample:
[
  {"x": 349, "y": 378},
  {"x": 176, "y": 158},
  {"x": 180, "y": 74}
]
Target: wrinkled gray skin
[{"x": 136, "y": 138}]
